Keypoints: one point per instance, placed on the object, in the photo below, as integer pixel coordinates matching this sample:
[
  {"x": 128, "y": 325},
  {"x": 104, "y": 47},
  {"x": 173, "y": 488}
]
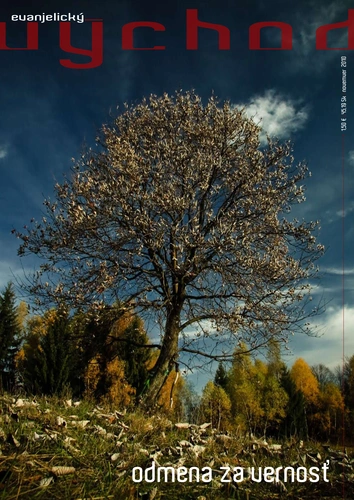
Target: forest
[{"x": 107, "y": 358}]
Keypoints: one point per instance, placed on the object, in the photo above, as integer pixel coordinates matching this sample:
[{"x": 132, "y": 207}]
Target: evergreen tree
[
  {"x": 51, "y": 364},
  {"x": 135, "y": 357},
  {"x": 221, "y": 376},
  {"x": 93, "y": 352},
  {"x": 112, "y": 334},
  {"x": 294, "y": 423},
  {"x": 26, "y": 358},
  {"x": 10, "y": 337}
]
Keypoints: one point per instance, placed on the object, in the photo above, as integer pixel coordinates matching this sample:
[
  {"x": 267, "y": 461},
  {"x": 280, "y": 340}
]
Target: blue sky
[{"x": 49, "y": 111}]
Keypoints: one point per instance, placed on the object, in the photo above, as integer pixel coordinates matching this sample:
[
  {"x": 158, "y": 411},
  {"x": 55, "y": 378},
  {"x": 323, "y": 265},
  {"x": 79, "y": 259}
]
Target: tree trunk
[{"x": 165, "y": 362}]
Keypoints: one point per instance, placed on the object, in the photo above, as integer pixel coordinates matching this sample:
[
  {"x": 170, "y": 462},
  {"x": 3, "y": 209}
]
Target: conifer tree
[
  {"x": 106, "y": 336},
  {"x": 129, "y": 348},
  {"x": 10, "y": 338},
  {"x": 51, "y": 368},
  {"x": 294, "y": 423},
  {"x": 221, "y": 376}
]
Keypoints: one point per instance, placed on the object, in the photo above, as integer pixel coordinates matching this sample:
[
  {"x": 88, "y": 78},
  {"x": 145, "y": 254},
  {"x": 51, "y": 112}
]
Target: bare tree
[
  {"x": 181, "y": 214},
  {"x": 323, "y": 374}
]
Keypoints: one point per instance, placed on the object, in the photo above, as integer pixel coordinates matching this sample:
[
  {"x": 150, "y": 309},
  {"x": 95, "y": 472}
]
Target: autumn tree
[
  {"x": 215, "y": 406},
  {"x": 128, "y": 337},
  {"x": 305, "y": 381},
  {"x": 274, "y": 398},
  {"x": 181, "y": 214},
  {"x": 244, "y": 391},
  {"x": 257, "y": 397},
  {"x": 330, "y": 412},
  {"x": 170, "y": 395},
  {"x": 275, "y": 363},
  {"x": 108, "y": 334},
  {"x": 107, "y": 382},
  {"x": 22, "y": 315}
]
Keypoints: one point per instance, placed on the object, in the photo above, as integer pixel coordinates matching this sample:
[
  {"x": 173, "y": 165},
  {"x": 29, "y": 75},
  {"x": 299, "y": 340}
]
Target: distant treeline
[{"x": 106, "y": 356}]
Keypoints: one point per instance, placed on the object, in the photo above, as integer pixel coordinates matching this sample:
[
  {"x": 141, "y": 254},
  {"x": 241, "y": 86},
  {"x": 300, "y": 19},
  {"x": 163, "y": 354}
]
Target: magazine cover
[{"x": 176, "y": 273}]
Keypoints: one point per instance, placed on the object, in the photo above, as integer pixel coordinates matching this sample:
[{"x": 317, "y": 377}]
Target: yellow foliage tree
[
  {"x": 216, "y": 406},
  {"x": 331, "y": 408},
  {"x": 114, "y": 363},
  {"x": 92, "y": 377},
  {"x": 258, "y": 400},
  {"x": 107, "y": 381},
  {"x": 36, "y": 328},
  {"x": 305, "y": 381}
]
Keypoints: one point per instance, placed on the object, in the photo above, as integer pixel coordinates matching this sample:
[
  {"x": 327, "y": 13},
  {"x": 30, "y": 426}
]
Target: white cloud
[
  {"x": 338, "y": 270},
  {"x": 277, "y": 115},
  {"x": 3, "y": 152},
  {"x": 335, "y": 325},
  {"x": 320, "y": 290},
  {"x": 316, "y": 15},
  {"x": 346, "y": 211},
  {"x": 321, "y": 15}
]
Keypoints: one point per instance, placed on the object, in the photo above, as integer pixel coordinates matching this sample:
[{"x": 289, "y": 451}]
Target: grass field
[{"x": 56, "y": 449}]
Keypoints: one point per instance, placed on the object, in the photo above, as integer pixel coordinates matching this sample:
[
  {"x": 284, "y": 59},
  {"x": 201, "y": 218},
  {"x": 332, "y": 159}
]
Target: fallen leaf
[
  {"x": 182, "y": 425},
  {"x": 61, "y": 422},
  {"x": 12, "y": 440},
  {"x": 46, "y": 482},
  {"x": 62, "y": 470}
]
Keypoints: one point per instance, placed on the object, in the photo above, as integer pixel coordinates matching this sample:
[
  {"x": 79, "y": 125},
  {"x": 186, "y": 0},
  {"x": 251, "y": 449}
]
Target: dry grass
[{"x": 51, "y": 449}]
